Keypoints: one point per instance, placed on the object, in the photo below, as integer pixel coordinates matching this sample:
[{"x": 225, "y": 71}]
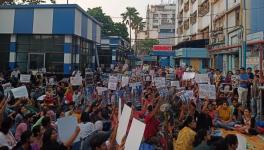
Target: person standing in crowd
[
  {"x": 201, "y": 140},
  {"x": 6, "y": 137},
  {"x": 243, "y": 87}
]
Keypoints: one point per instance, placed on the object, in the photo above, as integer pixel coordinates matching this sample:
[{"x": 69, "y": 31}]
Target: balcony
[
  {"x": 180, "y": 30},
  {"x": 186, "y": 24},
  {"x": 204, "y": 8},
  {"x": 186, "y": 6},
  {"x": 214, "y": 1},
  {"x": 193, "y": 18}
]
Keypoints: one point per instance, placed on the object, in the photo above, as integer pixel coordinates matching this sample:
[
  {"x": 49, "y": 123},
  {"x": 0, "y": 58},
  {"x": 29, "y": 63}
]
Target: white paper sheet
[
  {"x": 25, "y": 78},
  {"x": 75, "y": 81},
  {"x": 175, "y": 84},
  {"x": 20, "y": 92},
  {"x": 123, "y": 123},
  {"x": 66, "y": 127},
  {"x": 135, "y": 135},
  {"x": 242, "y": 142},
  {"x": 188, "y": 75},
  {"x": 119, "y": 108}
]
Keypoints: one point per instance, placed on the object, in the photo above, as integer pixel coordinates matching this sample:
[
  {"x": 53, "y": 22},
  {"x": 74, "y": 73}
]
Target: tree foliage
[
  {"x": 145, "y": 46},
  {"x": 110, "y": 28}
]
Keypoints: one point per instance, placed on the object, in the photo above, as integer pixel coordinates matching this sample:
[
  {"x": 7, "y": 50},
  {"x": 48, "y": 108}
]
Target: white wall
[
  {"x": 7, "y": 17},
  {"x": 43, "y": 21}
]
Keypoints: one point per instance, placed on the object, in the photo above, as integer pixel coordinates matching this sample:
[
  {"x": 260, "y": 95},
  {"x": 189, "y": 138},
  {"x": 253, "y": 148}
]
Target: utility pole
[
  {"x": 67, "y": 1},
  {"x": 244, "y": 34}
]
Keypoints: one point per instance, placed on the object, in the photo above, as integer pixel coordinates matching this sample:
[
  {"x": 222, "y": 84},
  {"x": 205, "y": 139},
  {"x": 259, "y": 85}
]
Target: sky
[{"x": 114, "y": 8}]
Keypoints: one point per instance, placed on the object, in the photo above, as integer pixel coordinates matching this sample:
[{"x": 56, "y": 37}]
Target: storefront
[{"x": 58, "y": 38}]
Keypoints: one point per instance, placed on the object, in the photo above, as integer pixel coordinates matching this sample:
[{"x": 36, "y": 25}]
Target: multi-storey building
[{"x": 158, "y": 17}]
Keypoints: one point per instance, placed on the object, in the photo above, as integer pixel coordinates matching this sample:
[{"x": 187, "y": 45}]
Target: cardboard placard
[
  {"x": 100, "y": 90},
  {"x": 160, "y": 82},
  {"x": 76, "y": 81},
  {"x": 25, "y": 78},
  {"x": 6, "y": 87},
  {"x": 20, "y": 92},
  {"x": 188, "y": 75},
  {"x": 66, "y": 127},
  {"x": 206, "y": 90}
]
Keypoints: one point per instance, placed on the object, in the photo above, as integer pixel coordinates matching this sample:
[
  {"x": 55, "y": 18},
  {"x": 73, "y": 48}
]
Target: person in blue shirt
[{"x": 243, "y": 87}]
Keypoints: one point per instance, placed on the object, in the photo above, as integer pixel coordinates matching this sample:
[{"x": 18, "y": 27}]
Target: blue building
[
  {"x": 112, "y": 50},
  {"x": 56, "y": 37}
]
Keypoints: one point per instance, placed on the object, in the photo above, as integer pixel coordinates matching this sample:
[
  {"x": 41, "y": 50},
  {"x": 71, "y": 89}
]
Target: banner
[
  {"x": 20, "y": 92},
  {"x": 25, "y": 78},
  {"x": 112, "y": 83},
  {"x": 206, "y": 90},
  {"x": 188, "y": 75},
  {"x": 202, "y": 78},
  {"x": 76, "y": 81}
]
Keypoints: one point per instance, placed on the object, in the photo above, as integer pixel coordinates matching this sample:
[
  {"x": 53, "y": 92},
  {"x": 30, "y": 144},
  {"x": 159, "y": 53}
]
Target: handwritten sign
[
  {"x": 186, "y": 96},
  {"x": 163, "y": 91},
  {"x": 188, "y": 75},
  {"x": 175, "y": 84},
  {"x": 100, "y": 90},
  {"x": 160, "y": 82},
  {"x": 76, "y": 81},
  {"x": 125, "y": 81},
  {"x": 202, "y": 78},
  {"x": 6, "y": 87},
  {"x": 20, "y": 92},
  {"x": 135, "y": 135},
  {"x": 152, "y": 72},
  {"x": 25, "y": 78},
  {"x": 206, "y": 90}
]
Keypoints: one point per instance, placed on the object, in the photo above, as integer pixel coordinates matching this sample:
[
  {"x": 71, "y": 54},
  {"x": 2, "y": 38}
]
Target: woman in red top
[
  {"x": 69, "y": 95},
  {"x": 49, "y": 99}
]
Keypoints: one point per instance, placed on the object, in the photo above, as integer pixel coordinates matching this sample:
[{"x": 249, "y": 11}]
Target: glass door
[{"x": 36, "y": 61}]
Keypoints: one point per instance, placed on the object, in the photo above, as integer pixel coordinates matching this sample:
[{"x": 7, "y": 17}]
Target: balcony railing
[{"x": 203, "y": 8}]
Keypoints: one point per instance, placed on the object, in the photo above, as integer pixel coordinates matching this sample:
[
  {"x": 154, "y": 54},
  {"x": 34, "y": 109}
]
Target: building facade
[
  {"x": 112, "y": 50},
  {"x": 156, "y": 16},
  {"x": 166, "y": 32},
  {"x": 58, "y": 38}
]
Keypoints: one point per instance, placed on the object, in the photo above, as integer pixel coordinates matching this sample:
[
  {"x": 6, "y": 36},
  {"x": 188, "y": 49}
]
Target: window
[
  {"x": 155, "y": 21},
  {"x": 155, "y": 26},
  {"x": 155, "y": 16},
  {"x": 164, "y": 15}
]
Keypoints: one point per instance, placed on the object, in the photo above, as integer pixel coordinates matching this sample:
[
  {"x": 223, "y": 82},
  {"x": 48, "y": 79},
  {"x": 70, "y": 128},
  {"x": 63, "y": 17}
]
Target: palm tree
[
  {"x": 137, "y": 26},
  {"x": 128, "y": 18}
]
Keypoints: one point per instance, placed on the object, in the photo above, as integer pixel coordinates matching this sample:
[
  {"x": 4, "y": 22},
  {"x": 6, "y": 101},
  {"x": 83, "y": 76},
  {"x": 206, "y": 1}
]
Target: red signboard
[{"x": 162, "y": 48}]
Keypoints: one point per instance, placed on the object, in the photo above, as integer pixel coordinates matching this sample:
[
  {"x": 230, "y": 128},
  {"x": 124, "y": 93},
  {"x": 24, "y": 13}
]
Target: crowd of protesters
[{"x": 171, "y": 123}]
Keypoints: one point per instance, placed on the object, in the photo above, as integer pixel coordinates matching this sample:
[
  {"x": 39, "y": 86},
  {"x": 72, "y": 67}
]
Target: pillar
[
  {"x": 12, "y": 52},
  {"x": 67, "y": 55}
]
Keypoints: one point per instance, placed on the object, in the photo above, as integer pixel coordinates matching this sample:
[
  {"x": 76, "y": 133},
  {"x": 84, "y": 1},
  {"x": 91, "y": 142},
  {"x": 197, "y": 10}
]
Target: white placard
[
  {"x": 119, "y": 108},
  {"x": 75, "y": 81},
  {"x": 206, "y": 90},
  {"x": 160, "y": 82},
  {"x": 113, "y": 79},
  {"x": 146, "y": 67},
  {"x": 112, "y": 86},
  {"x": 6, "y": 87},
  {"x": 41, "y": 98},
  {"x": 123, "y": 123},
  {"x": 66, "y": 127},
  {"x": 20, "y": 92},
  {"x": 25, "y": 78},
  {"x": 125, "y": 81},
  {"x": 188, "y": 75},
  {"x": 152, "y": 72},
  {"x": 202, "y": 78},
  {"x": 187, "y": 95},
  {"x": 135, "y": 135},
  {"x": 148, "y": 78},
  {"x": 100, "y": 90},
  {"x": 242, "y": 142},
  {"x": 175, "y": 84}
]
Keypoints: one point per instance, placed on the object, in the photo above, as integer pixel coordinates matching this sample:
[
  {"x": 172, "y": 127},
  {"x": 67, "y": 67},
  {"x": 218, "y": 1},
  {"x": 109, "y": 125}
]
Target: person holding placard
[{"x": 50, "y": 140}]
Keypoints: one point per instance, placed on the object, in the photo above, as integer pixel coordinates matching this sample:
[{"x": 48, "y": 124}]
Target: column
[
  {"x": 67, "y": 55},
  {"x": 229, "y": 62},
  {"x": 12, "y": 52},
  {"x": 233, "y": 63},
  {"x": 113, "y": 56},
  {"x": 77, "y": 52}
]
